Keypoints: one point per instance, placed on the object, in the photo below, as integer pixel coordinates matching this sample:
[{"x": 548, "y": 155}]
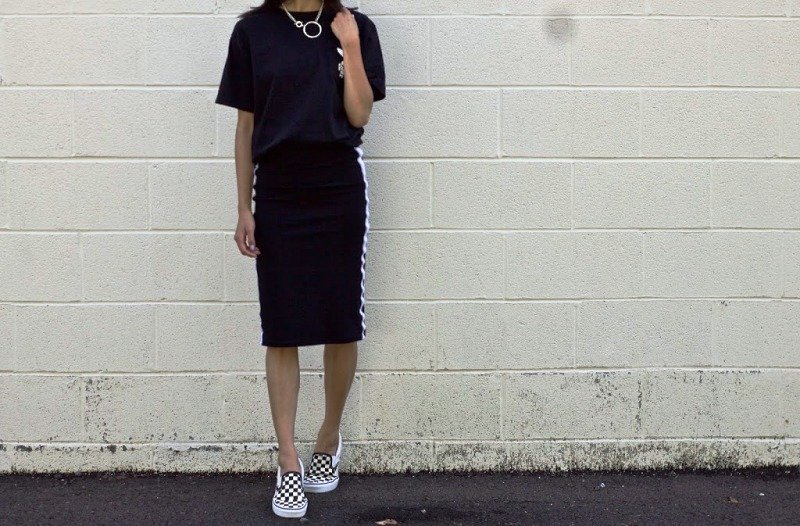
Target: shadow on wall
[{"x": 559, "y": 25}]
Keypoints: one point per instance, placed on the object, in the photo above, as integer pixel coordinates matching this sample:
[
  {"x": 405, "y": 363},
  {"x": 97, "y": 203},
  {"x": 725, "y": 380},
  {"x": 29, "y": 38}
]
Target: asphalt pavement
[{"x": 748, "y": 497}]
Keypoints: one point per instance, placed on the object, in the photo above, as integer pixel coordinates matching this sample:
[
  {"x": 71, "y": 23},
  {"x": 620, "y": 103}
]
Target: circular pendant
[{"x": 305, "y": 29}]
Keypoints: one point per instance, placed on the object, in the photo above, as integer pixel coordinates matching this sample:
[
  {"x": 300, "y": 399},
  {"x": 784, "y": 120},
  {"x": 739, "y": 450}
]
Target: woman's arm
[
  {"x": 245, "y": 229},
  {"x": 358, "y": 96}
]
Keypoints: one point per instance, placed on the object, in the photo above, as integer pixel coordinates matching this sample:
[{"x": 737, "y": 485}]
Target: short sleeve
[
  {"x": 236, "y": 86},
  {"x": 373, "y": 60}
]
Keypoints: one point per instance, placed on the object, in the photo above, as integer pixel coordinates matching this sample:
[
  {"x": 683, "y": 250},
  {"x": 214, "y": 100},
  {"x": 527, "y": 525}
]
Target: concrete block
[
  {"x": 152, "y": 267},
  {"x": 193, "y": 195},
  {"x": 575, "y": 7},
  {"x": 185, "y": 50},
  {"x": 564, "y": 123},
  {"x": 40, "y": 267},
  {"x": 434, "y": 123},
  {"x": 105, "y": 6},
  {"x": 721, "y": 123},
  {"x": 82, "y": 458},
  {"x": 570, "y": 404},
  {"x": 501, "y": 194},
  {"x": 791, "y": 125},
  {"x": 641, "y": 194},
  {"x": 73, "y": 50},
  {"x": 646, "y": 333},
  {"x": 741, "y": 190},
  {"x": 721, "y": 403},
  {"x": 496, "y": 51},
  {"x": 412, "y": 7},
  {"x": 78, "y": 195},
  {"x": 4, "y": 191},
  {"x": 8, "y": 338},
  {"x": 719, "y": 7},
  {"x": 40, "y": 124},
  {"x": 85, "y": 338},
  {"x": 241, "y": 278},
  {"x": 406, "y": 50},
  {"x": 791, "y": 264},
  {"x": 145, "y": 123},
  {"x": 570, "y": 265},
  {"x": 399, "y": 194},
  {"x": 154, "y": 408},
  {"x": 208, "y": 337},
  {"x": 431, "y": 265},
  {"x": 757, "y": 333},
  {"x": 692, "y": 264},
  {"x": 754, "y": 52},
  {"x": 639, "y": 51},
  {"x": 494, "y": 335},
  {"x": 441, "y": 405},
  {"x": 40, "y": 408}
]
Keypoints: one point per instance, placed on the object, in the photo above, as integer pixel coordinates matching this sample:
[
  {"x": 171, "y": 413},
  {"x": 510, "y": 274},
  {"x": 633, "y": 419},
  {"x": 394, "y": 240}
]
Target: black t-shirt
[{"x": 293, "y": 84}]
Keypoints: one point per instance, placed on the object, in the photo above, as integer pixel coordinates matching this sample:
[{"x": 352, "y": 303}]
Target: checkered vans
[
  {"x": 289, "y": 499},
  {"x": 323, "y": 475}
]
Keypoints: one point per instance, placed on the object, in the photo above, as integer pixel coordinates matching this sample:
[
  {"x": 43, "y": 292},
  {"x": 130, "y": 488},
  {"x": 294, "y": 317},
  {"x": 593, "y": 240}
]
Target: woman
[{"x": 303, "y": 75}]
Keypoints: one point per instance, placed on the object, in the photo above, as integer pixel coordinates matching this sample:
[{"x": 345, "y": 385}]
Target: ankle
[
  {"x": 288, "y": 459},
  {"x": 327, "y": 431}
]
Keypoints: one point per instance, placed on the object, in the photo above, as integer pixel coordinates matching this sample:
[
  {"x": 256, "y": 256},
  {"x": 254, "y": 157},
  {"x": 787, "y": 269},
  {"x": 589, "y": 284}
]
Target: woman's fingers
[
  {"x": 244, "y": 240},
  {"x": 251, "y": 240}
]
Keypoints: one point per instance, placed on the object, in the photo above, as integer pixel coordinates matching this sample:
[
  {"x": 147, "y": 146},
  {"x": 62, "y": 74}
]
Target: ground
[{"x": 751, "y": 497}]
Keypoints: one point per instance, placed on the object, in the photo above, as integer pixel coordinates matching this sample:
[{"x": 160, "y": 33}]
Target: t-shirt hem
[{"x": 234, "y": 104}]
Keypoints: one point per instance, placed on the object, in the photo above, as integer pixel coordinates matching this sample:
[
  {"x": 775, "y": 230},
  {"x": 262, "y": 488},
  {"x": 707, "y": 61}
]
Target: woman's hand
[
  {"x": 245, "y": 234},
  {"x": 345, "y": 28}
]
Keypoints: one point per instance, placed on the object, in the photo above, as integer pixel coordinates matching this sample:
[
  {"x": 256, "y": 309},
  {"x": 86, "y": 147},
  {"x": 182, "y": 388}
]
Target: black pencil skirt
[{"x": 312, "y": 223}]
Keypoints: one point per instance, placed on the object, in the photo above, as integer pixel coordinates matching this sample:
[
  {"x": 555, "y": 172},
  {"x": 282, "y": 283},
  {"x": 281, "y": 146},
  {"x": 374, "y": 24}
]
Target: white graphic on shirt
[{"x": 341, "y": 64}]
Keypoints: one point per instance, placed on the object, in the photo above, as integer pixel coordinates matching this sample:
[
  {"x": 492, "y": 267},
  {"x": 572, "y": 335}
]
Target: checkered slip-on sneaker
[
  {"x": 289, "y": 499},
  {"x": 323, "y": 475}
]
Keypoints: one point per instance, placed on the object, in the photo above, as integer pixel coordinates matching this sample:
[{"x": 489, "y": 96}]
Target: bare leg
[
  {"x": 340, "y": 361},
  {"x": 283, "y": 384}
]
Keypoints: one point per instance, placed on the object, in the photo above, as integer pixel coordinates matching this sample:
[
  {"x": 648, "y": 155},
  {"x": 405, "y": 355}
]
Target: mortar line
[
  {"x": 577, "y": 440},
  {"x": 427, "y": 301},
  {"x": 412, "y": 160},
  {"x": 583, "y": 370},
  {"x": 426, "y": 230},
  {"x": 134, "y": 87},
  {"x": 227, "y": 15}
]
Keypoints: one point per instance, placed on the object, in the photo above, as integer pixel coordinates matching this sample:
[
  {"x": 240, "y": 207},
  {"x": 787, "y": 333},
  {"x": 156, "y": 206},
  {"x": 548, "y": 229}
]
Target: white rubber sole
[
  {"x": 289, "y": 513},
  {"x": 322, "y": 488}
]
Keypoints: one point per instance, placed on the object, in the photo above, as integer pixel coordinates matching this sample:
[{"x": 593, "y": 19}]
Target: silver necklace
[{"x": 305, "y": 25}]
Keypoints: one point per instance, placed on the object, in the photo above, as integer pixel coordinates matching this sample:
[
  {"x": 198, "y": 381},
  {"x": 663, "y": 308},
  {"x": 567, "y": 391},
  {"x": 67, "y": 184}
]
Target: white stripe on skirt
[{"x": 362, "y": 309}]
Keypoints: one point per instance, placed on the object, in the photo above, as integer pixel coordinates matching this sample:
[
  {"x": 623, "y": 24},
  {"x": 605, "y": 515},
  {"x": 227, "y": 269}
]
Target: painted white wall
[{"x": 585, "y": 249}]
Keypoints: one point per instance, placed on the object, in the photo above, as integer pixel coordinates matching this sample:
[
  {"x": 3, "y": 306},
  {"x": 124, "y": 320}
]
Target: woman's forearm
[
  {"x": 244, "y": 161},
  {"x": 358, "y": 97}
]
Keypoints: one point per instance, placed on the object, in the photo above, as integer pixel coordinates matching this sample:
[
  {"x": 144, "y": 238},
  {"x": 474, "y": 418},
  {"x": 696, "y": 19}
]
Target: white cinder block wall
[{"x": 585, "y": 249}]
